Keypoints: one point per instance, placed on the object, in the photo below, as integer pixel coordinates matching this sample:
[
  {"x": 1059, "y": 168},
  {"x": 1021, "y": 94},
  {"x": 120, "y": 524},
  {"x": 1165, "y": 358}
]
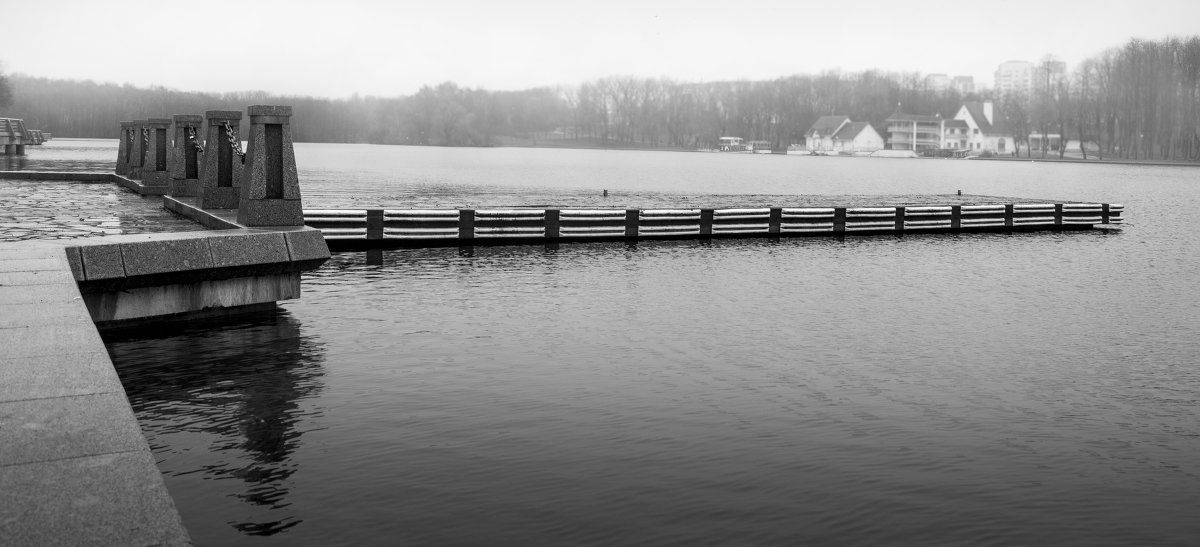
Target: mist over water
[{"x": 939, "y": 389}]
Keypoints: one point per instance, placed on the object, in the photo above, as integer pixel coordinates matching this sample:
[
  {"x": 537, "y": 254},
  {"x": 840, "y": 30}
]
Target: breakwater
[{"x": 363, "y": 228}]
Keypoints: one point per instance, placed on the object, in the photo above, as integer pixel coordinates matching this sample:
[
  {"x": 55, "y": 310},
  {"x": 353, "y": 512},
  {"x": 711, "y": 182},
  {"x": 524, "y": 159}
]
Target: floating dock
[{"x": 383, "y": 228}]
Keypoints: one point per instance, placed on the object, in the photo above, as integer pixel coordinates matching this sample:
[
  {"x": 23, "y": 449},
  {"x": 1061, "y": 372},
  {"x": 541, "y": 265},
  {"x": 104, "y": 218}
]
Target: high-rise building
[
  {"x": 963, "y": 84},
  {"x": 1014, "y": 77}
]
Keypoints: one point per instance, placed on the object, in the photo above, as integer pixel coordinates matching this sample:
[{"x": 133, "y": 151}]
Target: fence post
[
  {"x": 956, "y": 217},
  {"x": 552, "y": 223},
  {"x": 466, "y": 224},
  {"x": 900, "y": 219},
  {"x": 706, "y": 222},
  {"x": 631, "y": 223},
  {"x": 839, "y": 220}
]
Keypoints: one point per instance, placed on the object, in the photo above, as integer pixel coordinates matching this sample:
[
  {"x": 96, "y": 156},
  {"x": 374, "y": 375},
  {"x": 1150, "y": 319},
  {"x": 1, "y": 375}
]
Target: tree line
[{"x": 1135, "y": 101}]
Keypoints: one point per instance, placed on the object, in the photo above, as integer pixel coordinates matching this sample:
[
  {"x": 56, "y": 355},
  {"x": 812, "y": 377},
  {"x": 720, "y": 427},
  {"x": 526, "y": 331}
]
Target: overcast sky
[{"x": 335, "y": 48}]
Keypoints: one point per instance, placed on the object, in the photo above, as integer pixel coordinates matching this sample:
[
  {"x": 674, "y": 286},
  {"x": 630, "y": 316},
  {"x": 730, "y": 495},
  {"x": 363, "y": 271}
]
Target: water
[{"x": 956, "y": 389}]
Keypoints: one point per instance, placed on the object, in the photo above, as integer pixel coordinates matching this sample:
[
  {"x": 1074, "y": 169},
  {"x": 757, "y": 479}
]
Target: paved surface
[
  {"x": 36, "y": 209},
  {"x": 74, "y": 466}
]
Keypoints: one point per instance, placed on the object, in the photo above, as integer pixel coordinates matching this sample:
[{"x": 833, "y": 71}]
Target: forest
[{"x": 1138, "y": 101}]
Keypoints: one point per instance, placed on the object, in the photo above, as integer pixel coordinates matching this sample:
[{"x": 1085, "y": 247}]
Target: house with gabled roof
[
  {"x": 819, "y": 137},
  {"x": 857, "y": 137},
  {"x": 984, "y": 130}
]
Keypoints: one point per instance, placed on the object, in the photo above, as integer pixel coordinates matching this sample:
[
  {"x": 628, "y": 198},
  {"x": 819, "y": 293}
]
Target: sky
[{"x": 338, "y": 48}]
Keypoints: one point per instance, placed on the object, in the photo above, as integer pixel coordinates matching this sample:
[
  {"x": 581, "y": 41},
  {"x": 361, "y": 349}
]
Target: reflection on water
[{"x": 236, "y": 393}]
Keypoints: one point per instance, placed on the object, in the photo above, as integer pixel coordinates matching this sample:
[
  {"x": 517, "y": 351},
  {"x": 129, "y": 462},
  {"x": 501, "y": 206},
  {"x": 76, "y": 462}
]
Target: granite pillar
[
  {"x": 123, "y": 147},
  {"x": 270, "y": 195},
  {"x": 186, "y": 156},
  {"x": 137, "y": 156},
  {"x": 154, "y": 167},
  {"x": 221, "y": 176}
]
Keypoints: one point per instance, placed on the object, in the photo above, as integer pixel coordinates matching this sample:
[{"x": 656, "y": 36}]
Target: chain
[
  {"x": 195, "y": 142},
  {"x": 234, "y": 142},
  {"x": 146, "y": 137}
]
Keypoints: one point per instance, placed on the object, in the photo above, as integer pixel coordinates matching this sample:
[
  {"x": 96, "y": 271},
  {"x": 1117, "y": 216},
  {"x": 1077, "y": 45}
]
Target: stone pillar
[
  {"x": 185, "y": 159},
  {"x": 154, "y": 167},
  {"x": 10, "y": 149},
  {"x": 123, "y": 148},
  {"x": 221, "y": 177},
  {"x": 271, "y": 191},
  {"x": 137, "y": 155}
]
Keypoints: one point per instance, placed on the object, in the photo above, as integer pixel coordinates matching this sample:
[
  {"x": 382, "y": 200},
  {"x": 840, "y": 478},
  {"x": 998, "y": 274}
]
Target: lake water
[{"x": 1008, "y": 389}]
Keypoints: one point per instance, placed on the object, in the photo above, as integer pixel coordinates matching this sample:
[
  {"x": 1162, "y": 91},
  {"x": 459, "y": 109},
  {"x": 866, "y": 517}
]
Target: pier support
[
  {"x": 270, "y": 195},
  {"x": 185, "y": 159},
  {"x": 221, "y": 177},
  {"x": 123, "y": 148},
  {"x": 137, "y": 156},
  {"x": 154, "y": 166}
]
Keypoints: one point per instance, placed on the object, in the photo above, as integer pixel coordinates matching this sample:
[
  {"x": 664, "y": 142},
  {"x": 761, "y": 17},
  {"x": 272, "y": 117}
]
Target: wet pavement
[{"x": 31, "y": 209}]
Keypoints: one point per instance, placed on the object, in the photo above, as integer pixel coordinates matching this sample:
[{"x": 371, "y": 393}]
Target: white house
[
  {"x": 857, "y": 137},
  {"x": 983, "y": 131},
  {"x": 819, "y": 137}
]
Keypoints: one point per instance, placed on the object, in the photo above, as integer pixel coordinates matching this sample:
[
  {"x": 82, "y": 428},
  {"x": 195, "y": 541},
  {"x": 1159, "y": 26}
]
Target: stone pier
[
  {"x": 186, "y": 157},
  {"x": 221, "y": 178}
]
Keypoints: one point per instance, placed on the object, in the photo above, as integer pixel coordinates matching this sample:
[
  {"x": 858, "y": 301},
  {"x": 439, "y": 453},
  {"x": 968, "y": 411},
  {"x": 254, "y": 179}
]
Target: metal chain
[
  {"x": 234, "y": 142},
  {"x": 146, "y": 137},
  {"x": 195, "y": 141}
]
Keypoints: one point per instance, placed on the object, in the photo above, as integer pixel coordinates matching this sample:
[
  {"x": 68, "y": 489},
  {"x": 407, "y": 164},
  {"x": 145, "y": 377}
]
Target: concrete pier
[{"x": 75, "y": 468}]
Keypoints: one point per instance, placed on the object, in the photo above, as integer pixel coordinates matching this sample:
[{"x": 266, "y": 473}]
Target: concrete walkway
[{"x": 74, "y": 466}]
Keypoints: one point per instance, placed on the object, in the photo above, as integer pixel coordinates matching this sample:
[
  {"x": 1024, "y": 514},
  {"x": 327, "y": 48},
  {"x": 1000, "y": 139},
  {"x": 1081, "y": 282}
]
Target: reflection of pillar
[
  {"x": 154, "y": 168},
  {"x": 252, "y": 410},
  {"x": 123, "y": 148},
  {"x": 138, "y": 153},
  {"x": 185, "y": 159},
  {"x": 271, "y": 191},
  {"x": 221, "y": 177}
]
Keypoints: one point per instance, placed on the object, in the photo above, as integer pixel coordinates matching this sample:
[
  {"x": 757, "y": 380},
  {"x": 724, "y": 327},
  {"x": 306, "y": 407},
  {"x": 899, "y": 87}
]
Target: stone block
[
  {"x": 101, "y": 262},
  {"x": 307, "y": 245},
  {"x": 39, "y": 277},
  {"x": 59, "y": 339},
  {"x": 223, "y": 114},
  {"x": 184, "y": 188},
  {"x": 271, "y": 212},
  {"x": 40, "y": 313},
  {"x": 36, "y": 294},
  {"x": 44, "y": 376},
  {"x": 163, "y": 256},
  {"x": 269, "y": 110},
  {"x": 188, "y": 119},
  {"x": 109, "y": 499},
  {"x": 33, "y": 430},
  {"x": 248, "y": 249},
  {"x": 75, "y": 259}
]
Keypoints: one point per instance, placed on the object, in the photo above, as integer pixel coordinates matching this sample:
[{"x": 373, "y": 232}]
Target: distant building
[
  {"x": 937, "y": 82},
  {"x": 819, "y": 137},
  {"x": 857, "y": 137},
  {"x": 914, "y": 132},
  {"x": 975, "y": 127},
  {"x": 730, "y": 144},
  {"x": 1014, "y": 77},
  {"x": 963, "y": 84}
]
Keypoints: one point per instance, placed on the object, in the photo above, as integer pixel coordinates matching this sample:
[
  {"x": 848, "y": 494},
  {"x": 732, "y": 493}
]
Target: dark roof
[
  {"x": 957, "y": 123},
  {"x": 900, "y": 116},
  {"x": 851, "y": 130},
  {"x": 825, "y": 126},
  {"x": 997, "y": 125}
]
